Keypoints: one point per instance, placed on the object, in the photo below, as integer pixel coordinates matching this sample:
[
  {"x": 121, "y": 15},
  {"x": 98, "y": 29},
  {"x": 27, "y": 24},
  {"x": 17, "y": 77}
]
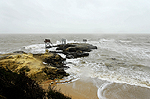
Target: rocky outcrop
[
  {"x": 51, "y": 59},
  {"x": 41, "y": 67},
  {"x": 75, "y": 50},
  {"x": 71, "y": 55},
  {"x": 32, "y": 65},
  {"x": 76, "y": 47}
]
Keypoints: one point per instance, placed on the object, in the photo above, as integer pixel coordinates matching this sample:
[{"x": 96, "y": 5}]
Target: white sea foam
[
  {"x": 121, "y": 60},
  {"x": 95, "y": 66},
  {"x": 35, "y": 48},
  {"x": 106, "y": 40},
  {"x": 129, "y": 73},
  {"x": 1, "y": 52},
  {"x": 100, "y": 91},
  {"x": 125, "y": 41},
  {"x": 69, "y": 79},
  {"x": 120, "y": 75},
  {"x": 128, "y": 51}
]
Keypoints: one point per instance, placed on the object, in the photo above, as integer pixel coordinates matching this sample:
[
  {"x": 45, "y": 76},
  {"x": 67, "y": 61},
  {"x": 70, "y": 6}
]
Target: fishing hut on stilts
[
  {"x": 48, "y": 43},
  {"x": 63, "y": 41},
  {"x": 84, "y": 40}
]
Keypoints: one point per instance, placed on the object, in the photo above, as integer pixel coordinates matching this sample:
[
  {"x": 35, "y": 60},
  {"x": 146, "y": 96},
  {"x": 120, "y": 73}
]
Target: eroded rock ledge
[{"x": 32, "y": 65}]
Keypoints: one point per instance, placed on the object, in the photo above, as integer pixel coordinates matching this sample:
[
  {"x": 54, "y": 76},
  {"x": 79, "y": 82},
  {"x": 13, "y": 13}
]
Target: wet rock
[
  {"x": 73, "y": 47},
  {"x": 20, "y": 52},
  {"x": 52, "y": 59},
  {"x": 70, "y": 49},
  {"x": 75, "y": 50},
  {"x": 71, "y": 55}
]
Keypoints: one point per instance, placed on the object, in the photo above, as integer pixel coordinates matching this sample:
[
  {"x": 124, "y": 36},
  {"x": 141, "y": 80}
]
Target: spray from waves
[
  {"x": 2, "y": 52},
  {"x": 40, "y": 48},
  {"x": 96, "y": 66},
  {"x": 36, "y": 48},
  {"x": 125, "y": 48},
  {"x": 121, "y": 69},
  {"x": 118, "y": 75}
]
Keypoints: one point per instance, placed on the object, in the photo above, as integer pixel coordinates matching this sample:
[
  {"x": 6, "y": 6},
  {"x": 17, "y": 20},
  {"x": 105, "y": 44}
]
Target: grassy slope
[{"x": 19, "y": 86}]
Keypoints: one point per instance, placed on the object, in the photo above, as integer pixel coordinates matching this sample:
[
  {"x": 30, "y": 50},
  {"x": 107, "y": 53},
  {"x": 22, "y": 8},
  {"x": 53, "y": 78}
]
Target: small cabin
[
  {"x": 85, "y": 40},
  {"x": 63, "y": 41},
  {"x": 48, "y": 43}
]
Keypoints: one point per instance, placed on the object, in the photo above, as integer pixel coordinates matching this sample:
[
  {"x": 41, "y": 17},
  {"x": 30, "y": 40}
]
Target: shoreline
[
  {"x": 49, "y": 74},
  {"x": 78, "y": 89}
]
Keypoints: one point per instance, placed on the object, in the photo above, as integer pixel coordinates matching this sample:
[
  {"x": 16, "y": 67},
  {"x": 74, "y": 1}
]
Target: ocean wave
[
  {"x": 124, "y": 41},
  {"x": 35, "y": 48},
  {"x": 120, "y": 58},
  {"x": 133, "y": 75},
  {"x": 100, "y": 91}
]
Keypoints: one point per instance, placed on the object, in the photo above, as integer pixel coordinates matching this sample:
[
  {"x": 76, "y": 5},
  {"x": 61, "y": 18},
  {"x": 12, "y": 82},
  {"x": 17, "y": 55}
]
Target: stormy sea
[{"x": 119, "y": 68}]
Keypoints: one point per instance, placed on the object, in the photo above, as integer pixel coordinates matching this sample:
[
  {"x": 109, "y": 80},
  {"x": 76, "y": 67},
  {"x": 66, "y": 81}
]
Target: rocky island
[{"x": 75, "y": 50}]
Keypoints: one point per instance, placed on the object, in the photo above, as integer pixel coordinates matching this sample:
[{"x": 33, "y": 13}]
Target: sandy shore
[{"x": 78, "y": 90}]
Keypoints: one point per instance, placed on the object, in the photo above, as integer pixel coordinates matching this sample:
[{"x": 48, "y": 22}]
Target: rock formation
[
  {"x": 32, "y": 65},
  {"x": 42, "y": 67},
  {"x": 75, "y": 50}
]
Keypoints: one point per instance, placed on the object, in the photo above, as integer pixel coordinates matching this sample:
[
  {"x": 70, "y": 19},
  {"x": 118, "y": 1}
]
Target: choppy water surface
[{"x": 120, "y": 67}]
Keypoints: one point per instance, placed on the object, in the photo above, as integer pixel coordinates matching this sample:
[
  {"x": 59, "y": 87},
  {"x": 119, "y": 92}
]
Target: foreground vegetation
[{"x": 19, "y": 86}]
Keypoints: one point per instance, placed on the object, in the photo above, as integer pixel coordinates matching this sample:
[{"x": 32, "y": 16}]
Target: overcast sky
[{"x": 74, "y": 16}]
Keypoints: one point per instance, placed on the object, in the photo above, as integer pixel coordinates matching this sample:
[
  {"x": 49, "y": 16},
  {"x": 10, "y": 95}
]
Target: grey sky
[{"x": 74, "y": 16}]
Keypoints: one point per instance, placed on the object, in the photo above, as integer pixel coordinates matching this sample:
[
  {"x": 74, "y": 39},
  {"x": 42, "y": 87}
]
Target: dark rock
[
  {"x": 71, "y": 55},
  {"x": 70, "y": 49},
  {"x": 92, "y": 47},
  {"x": 52, "y": 59},
  {"x": 73, "y": 47},
  {"x": 75, "y": 50},
  {"x": 85, "y": 54},
  {"x": 19, "y": 52}
]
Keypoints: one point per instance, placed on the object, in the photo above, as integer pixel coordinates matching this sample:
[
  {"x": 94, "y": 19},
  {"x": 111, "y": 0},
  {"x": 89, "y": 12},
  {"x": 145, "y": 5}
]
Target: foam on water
[
  {"x": 119, "y": 60},
  {"x": 113, "y": 71},
  {"x": 96, "y": 66},
  {"x": 1, "y": 52},
  {"x": 119, "y": 75},
  {"x": 69, "y": 79},
  {"x": 100, "y": 91},
  {"x": 125, "y": 41},
  {"x": 35, "y": 48},
  {"x": 125, "y": 49},
  {"x": 113, "y": 61}
]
